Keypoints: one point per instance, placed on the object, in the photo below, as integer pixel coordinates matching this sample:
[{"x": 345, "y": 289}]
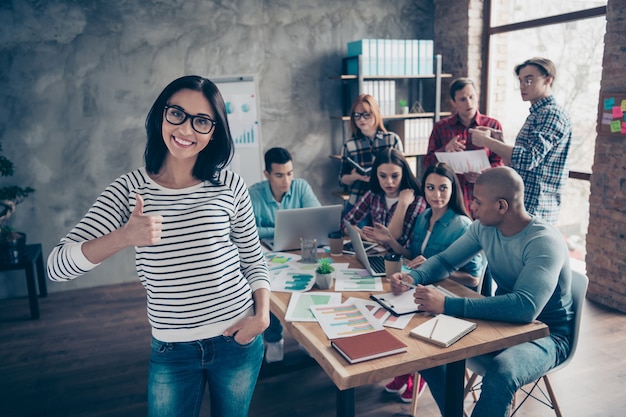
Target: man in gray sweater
[{"x": 529, "y": 262}]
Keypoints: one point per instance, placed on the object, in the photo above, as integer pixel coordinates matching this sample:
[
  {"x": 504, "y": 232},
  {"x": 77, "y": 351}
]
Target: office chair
[{"x": 579, "y": 289}]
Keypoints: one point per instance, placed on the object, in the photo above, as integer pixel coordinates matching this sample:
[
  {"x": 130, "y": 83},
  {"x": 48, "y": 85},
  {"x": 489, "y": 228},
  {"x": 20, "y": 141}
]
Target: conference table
[{"x": 489, "y": 336}]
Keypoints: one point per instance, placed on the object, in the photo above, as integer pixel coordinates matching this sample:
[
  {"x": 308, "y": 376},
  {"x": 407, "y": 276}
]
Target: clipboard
[{"x": 398, "y": 305}]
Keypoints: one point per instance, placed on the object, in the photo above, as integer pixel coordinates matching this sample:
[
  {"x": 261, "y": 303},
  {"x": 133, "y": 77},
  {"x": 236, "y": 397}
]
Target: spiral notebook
[{"x": 443, "y": 330}]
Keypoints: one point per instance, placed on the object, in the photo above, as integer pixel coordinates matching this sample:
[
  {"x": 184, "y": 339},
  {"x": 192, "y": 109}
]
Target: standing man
[
  {"x": 530, "y": 263},
  {"x": 279, "y": 192},
  {"x": 542, "y": 145},
  {"x": 452, "y": 134}
]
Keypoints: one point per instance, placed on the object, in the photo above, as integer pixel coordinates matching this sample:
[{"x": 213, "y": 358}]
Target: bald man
[{"x": 529, "y": 261}]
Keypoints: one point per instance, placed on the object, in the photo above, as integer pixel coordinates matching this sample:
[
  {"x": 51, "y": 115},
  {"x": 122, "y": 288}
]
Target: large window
[{"x": 573, "y": 39}]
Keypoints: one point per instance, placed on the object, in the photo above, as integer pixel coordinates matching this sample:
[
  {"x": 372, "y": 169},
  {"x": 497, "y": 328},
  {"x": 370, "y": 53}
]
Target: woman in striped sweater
[{"x": 197, "y": 254}]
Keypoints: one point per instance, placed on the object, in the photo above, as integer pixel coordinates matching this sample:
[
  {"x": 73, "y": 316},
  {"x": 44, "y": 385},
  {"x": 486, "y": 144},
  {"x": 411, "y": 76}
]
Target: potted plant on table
[
  {"x": 11, "y": 242},
  {"x": 324, "y": 273}
]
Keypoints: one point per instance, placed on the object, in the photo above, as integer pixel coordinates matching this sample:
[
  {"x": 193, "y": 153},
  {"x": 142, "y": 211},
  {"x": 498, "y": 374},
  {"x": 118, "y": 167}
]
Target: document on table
[
  {"x": 466, "y": 161},
  {"x": 353, "y": 279},
  {"x": 345, "y": 320},
  {"x": 299, "y": 308}
]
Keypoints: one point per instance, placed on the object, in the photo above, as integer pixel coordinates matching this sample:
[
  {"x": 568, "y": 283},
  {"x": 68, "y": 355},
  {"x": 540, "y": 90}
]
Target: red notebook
[{"x": 368, "y": 346}]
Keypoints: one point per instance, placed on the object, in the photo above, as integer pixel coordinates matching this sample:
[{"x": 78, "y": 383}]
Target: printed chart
[{"x": 345, "y": 320}]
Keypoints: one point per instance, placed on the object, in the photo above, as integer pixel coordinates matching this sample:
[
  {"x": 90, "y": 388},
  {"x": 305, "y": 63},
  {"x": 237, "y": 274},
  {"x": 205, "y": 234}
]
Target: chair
[{"x": 579, "y": 289}]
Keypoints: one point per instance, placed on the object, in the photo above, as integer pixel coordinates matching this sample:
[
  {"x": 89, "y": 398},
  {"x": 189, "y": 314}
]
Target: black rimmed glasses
[
  {"x": 365, "y": 115},
  {"x": 177, "y": 116}
]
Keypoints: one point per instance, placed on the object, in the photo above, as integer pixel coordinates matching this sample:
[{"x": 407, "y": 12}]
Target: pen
[
  {"x": 433, "y": 330},
  {"x": 406, "y": 284}
]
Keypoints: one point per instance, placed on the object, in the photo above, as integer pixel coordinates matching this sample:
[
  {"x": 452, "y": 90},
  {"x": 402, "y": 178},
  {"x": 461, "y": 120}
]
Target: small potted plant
[
  {"x": 324, "y": 273},
  {"x": 11, "y": 242},
  {"x": 404, "y": 108}
]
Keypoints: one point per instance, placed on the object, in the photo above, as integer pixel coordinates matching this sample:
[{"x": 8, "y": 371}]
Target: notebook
[
  {"x": 368, "y": 346},
  {"x": 443, "y": 330},
  {"x": 374, "y": 264},
  {"x": 310, "y": 223}
]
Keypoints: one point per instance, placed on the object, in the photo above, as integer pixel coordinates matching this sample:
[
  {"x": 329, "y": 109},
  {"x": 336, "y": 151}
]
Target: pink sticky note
[
  {"x": 623, "y": 128},
  {"x": 617, "y": 112}
]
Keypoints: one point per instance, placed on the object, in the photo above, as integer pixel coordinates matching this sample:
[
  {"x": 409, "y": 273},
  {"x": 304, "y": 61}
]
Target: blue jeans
[
  {"x": 507, "y": 371},
  {"x": 274, "y": 332},
  {"x": 179, "y": 372}
]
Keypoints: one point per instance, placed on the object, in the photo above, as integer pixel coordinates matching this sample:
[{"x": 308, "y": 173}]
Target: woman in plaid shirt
[
  {"x": 395, "y": 194},
  {"x": 369, "y": 137}
]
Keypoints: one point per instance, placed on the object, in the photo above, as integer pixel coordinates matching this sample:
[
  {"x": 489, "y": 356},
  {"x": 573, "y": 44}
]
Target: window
[{"x": 572, "y": 35}]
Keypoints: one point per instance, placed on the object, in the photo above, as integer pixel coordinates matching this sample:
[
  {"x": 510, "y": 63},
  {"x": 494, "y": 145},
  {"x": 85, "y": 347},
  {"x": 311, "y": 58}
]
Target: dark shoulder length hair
[
  {"x": 394, "y": 156},
  {"x": 216, "y": 155},
  {"x": 456, "y": 202}
]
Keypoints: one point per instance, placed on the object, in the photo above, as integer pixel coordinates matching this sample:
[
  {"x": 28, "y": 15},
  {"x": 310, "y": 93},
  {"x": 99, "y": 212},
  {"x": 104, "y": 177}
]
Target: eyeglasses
[
  {"x": 529, "y": 81},
  {"x": 365, "y": 115},
  {"x": 177, "y": 116}
]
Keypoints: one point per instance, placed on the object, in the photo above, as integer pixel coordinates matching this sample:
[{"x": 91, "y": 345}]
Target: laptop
[
  {"x": 375, "y": 264},
  {"x": 309, "y": 223}
]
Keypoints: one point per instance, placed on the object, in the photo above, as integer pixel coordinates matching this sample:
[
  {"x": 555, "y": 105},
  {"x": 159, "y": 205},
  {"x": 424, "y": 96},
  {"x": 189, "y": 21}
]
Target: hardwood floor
[{"x": 88, "y": 356}]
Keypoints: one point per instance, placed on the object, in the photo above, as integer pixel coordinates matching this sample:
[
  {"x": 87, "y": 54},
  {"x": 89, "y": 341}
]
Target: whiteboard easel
[{"x": 242, "y": 106}]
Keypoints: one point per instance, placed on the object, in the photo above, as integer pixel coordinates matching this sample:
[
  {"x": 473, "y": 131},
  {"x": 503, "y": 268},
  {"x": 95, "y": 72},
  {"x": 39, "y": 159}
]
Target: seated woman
[
  {"x": 369, "y": 137},
  {"x": 391, "y": 179},
  {"x": 435, "y": 229}
]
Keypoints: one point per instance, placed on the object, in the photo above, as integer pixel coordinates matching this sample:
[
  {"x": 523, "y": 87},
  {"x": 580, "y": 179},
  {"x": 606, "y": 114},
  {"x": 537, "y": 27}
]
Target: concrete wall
[{"x": 78, "y": 77}]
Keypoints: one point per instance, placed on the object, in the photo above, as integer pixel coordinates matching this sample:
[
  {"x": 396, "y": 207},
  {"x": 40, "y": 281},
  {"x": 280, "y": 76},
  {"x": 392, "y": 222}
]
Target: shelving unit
[{"x": 424, "y": 89}]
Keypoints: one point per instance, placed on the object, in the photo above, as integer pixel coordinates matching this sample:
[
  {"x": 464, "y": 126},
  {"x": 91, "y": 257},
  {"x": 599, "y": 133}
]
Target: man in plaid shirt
[
  {"x": 542, "y": 145},
  {"x": 452, "y": 134}
]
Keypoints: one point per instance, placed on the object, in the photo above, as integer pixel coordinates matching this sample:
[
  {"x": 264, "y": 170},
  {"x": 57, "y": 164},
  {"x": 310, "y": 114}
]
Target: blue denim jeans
[
  {"x": 179, "y": 372},
  {"x": 274, "y": 332},
  {"x": 507, "y": 371}
]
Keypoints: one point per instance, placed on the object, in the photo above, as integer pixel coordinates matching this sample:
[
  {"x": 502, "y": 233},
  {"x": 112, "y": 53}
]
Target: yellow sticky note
[
  {"x": 616, "y": 126},
  {"x": 624, "y": 105}
]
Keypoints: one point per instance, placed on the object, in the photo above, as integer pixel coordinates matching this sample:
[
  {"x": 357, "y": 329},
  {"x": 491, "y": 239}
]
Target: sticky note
[
  {"x": 624, "y": 105},
  {"x": 616, "y": 126},
  {"x": 607, "y": 118},
  {"x": 617, "y": 112},
  {"x": 609, "y": 103},
  {"x": 623, "y": 128}
]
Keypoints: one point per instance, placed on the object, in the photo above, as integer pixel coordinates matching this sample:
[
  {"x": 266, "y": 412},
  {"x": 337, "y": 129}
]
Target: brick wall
[
  {"x": 458, "y": 38},
  {"x": 606, "y": 236}
]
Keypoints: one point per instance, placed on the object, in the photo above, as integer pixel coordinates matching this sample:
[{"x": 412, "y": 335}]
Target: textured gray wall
[{"x": 78, "y": 77}]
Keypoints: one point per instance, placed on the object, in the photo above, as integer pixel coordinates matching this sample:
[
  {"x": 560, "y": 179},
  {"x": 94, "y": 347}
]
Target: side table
[{"x": 30, "y": 261}]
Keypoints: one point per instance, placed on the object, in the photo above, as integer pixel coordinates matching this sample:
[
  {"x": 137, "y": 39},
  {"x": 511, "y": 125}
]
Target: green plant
[
  {"x": 10, "y": 196},
  {"x": 402, "y": 103},
  {"x": 324, "y": 267}
]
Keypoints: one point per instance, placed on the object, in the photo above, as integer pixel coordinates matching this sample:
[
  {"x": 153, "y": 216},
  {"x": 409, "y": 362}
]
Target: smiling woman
[{"x": 197, "y": 254}]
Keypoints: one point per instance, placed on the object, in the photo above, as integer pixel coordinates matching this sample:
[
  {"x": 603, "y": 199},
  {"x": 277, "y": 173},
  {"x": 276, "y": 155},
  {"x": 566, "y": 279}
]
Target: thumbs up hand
[{"x": 141, "y": 229}]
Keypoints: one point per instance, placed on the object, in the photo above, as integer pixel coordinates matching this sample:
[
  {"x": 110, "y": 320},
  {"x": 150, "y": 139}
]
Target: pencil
[{"x": 433, "y": 330}]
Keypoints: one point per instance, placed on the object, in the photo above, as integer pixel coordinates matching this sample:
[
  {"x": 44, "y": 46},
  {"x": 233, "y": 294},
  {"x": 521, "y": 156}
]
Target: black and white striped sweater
[{"x": 200, "y": 276}]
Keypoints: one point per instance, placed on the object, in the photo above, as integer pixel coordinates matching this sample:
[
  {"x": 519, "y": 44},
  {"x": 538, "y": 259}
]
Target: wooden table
[{"x": 489, "y": 336}]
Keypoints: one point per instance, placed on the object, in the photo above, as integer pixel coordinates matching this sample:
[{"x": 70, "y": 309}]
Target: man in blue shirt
[
  {"x": 529, "y": 262},
  {"x": 542, "y": 145},
  {"x": 279, "y": 192}
]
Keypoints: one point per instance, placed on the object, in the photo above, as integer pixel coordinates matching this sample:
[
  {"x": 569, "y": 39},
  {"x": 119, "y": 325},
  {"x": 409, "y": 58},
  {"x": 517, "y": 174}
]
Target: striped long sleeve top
[{"x": 199, "y": 278}]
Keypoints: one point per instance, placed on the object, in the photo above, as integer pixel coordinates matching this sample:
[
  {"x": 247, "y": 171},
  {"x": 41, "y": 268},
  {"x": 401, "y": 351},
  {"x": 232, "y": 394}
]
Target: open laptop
[
  {"x": 309, "y": 223},
  {"x": 375, "y": 264}
]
